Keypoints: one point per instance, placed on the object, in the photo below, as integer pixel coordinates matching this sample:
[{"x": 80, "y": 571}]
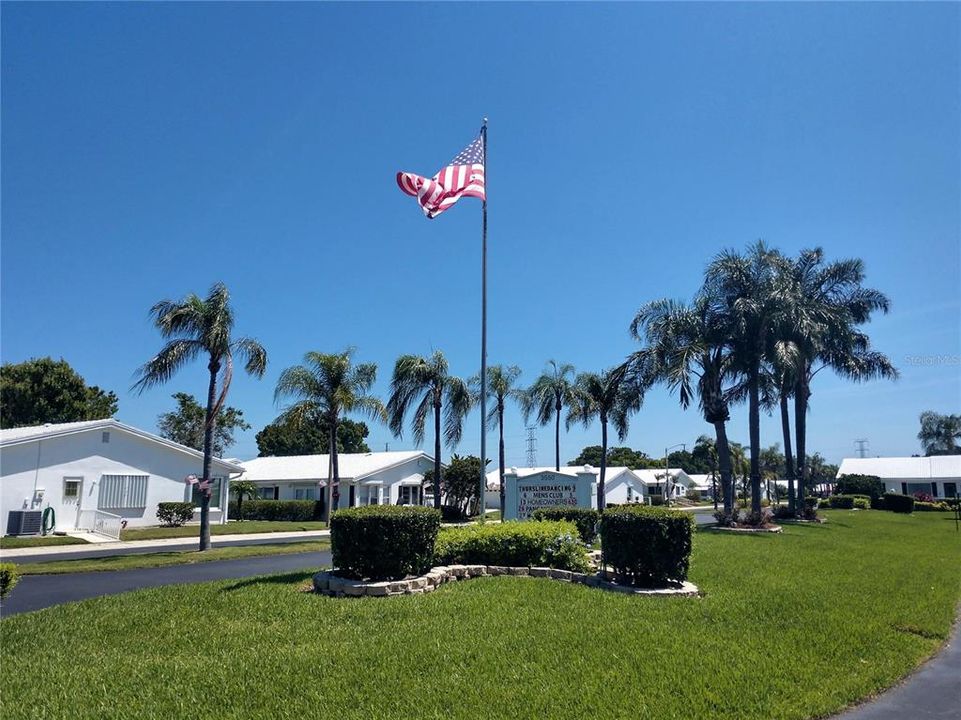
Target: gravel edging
[{"x": 326, "y": 583}]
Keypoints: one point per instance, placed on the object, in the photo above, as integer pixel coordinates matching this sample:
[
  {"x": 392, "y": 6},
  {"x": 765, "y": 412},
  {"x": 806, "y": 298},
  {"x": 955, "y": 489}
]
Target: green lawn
[
  {"x": 7, "y": 543},
  {"x": 240, "y": 527},
  {"x": 790, "y": 626},
  {"x": 162, "y": 559}
]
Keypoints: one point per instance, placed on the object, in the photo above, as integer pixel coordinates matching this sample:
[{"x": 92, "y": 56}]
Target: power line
[
  {"x": 531, "y": 447},
  {"x": 862, "y": 444}
]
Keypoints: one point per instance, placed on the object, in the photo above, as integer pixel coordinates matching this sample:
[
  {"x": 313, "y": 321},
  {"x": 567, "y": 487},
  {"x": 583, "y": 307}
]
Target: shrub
[
  {"x": 921, "y": 496},
  {"x": 9, "y": 577},
  {"x": 862, "y": 503},
  {"x": 175, "y": 514},
  {"x": 693, "y": 494},
  {"x": 542, "y": 543},
  {"x": 657, "y": 499},
  {"x": 869, "y": 485},
  {"x": 279, "y": 510},
  {"x": 823, "y": 503},
  {"x": 585, "y": 519},
  {"x": 453, "y": 514},
  {"x": 757, "y": 519},
  {"x": 647, "y": 546},
  {"x": 896, "y": 502},
  {"x": 932, "y": 506},
  {"x": 841, "y": 502},
  {"x": 383, "y": 542},
  {"x": 878, "y": 504},
  {"x": 783, "y": 512}
]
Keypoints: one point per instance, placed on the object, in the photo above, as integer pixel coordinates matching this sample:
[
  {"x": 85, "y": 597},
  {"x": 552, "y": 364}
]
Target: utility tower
[
  {"x": 531, "y": 447},
  {"x": 862, "y": 446}
]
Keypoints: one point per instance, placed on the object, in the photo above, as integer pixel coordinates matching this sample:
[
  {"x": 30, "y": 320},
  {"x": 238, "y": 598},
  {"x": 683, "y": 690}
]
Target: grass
[
  {"x": 239, "y": 527},
  {"x": 8, "y": 543},
  {"x": 790, "y": 626},
  {"x": 163, "y": 559}
]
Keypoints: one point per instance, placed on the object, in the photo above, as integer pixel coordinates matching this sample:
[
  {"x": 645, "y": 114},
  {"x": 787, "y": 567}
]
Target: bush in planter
[
  {"x": 175, "y": 514},
  {"x": 585, "y": 519},
  {"x": 544, "y": 543},
  {"x": 9, "y": 577},
  {"x": 383, "y": 542},
  {"x": 896, "y": 502},
  {"x": 279, "y": 510},
  {"x": 647, "y": 546}
]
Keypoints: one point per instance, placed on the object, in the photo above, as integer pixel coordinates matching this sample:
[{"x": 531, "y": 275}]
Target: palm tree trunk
[
  {"x": 800, "y": 431},
  {"x": 724, "y": 464},
  {"x": 557, "y": 437},
  {"x": 500, "y": 450},
  {"x": 437, "y": 454},
  {"x": 334, "y": 471},
  {"x": 788, "y": 455},
  {"x": 214, "y": 367},
  {"x": 601, "y": 487},
  {"x": 754, "y": 426}
]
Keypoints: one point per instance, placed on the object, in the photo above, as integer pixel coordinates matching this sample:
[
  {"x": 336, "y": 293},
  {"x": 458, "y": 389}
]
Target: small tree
[
  {"x": 186, "y": 425},
  {"x": 243, "y": 489},
  {"x": 459, "y": 482}
]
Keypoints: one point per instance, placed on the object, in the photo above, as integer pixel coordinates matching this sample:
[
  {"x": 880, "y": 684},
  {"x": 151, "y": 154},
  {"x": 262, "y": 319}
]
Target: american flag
[{"x": 463, "y": 176}]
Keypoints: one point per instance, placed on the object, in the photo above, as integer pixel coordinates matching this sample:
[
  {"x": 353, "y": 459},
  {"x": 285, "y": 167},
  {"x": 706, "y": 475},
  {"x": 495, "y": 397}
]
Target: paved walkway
[
  {"x": 35, "y": 592},
  {"x": 49, "y": 553}
]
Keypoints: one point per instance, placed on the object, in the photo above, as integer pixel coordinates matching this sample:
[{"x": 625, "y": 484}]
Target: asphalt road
[
  {"x": 35, "y": 592},
  {"x": 111, "y": 549}
]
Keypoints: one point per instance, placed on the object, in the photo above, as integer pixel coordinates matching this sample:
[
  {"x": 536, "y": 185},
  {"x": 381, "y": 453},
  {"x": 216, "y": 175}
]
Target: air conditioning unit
[{"x": 24, "y": 522}]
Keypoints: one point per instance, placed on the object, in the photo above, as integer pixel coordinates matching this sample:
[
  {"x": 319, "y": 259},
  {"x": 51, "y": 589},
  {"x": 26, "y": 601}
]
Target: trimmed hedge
[
  {"x": 869, "y": 485},
  {"x": 586, "y": 519},
  {"x": 383, "y": 542},
  {"x": 862, "y": 503},
  {"x": 896, "y": 502},
  {"x": 542, "y": 543},
  {"x": 282, "y": 510},
  {"x": 175, "y": 514},
  {"x": 878, "y": 504},
  {"x": 647, "y": 546},
  {"x": 841, "y": 502},
  {"x": 9, "y": 577}
]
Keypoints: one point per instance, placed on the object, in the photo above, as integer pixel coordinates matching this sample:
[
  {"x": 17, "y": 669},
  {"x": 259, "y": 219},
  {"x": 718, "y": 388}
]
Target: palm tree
[
  {"x": 193, "y": 327},
  {"x": 940, "y": 434},
  {"x": 429, "y": 380},
  {"x": 744, "y": 288},
  {"x": 610, "y": 396},
  {"x": 243, "y": 489},
  {"x": 547, "y": 397},
  {"x": 686, "y": 348},
  {"x": 500, "y": 389},
  {"x": 325, "y": 388},
  {"x": 822, "y": 306}
]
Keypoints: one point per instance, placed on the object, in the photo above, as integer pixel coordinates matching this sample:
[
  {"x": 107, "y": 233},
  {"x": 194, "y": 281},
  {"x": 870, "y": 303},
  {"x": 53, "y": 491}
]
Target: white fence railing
[{"x": 100, "y": 523}]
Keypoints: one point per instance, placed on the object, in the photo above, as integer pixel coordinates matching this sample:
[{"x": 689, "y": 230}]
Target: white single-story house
[
  {"x": 938, "y": 475},
  {"x": 96, "y": 474},
  {"x": 374, "y": 478},
  {"x": 703, "y": 484},
  {"x": 621, "y": 484}
]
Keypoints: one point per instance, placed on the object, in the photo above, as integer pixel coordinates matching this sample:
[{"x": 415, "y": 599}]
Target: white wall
[{"x": 45, "y": 464}]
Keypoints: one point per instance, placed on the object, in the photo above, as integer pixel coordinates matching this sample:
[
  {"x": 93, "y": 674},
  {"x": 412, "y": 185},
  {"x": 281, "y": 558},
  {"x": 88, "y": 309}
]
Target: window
[
  {"x": 407, "y": 495},
  {"x": 304, "y": 494},
  {"x": 215, "y": 485},
  {"x": 71, "y": 489},
  {"x": 268, "y": 493},
  {"x": 105, "y": 437},
  {"x": 120, "y": 492},
  {"x": 950, "y": 490},
  {"x": 922, "y": 487}
]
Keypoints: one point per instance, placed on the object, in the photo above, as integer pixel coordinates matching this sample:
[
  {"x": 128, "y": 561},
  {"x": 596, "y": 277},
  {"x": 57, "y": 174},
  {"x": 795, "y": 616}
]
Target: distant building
[
  {"x": 98, "y": 473},
  {"x": 938, "y": 475},
  {"x": 374, "y": 478}
]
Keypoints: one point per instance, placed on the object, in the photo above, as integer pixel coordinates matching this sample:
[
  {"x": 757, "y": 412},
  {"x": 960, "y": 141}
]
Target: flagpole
[{"x": 483, "y": 373}]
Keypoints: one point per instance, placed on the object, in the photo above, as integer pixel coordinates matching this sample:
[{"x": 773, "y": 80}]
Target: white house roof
[
  {"x": 350, "y": 466},
  {"x": 906, "y": 468},
  {"x": 655, "y": 476},
  {"x": 22, "y": 435}
]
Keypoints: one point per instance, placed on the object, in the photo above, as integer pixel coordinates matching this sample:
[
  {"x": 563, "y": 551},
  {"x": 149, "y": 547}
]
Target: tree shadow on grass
[{"x": 293, "y": 578}]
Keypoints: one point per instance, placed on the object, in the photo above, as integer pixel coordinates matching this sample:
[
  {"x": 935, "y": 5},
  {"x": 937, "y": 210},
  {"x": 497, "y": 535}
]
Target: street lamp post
[{"x": 667, "y": 472}]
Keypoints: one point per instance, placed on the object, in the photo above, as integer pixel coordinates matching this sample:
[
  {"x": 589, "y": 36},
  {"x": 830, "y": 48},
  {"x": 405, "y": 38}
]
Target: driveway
[{"x": 35, "y": 592}]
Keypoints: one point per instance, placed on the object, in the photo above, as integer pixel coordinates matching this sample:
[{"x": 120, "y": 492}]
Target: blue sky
[{"x": 152, "y": 149}]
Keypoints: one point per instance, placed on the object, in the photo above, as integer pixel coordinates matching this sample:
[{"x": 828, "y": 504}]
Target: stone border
[
  {"x": 772, "y": 529},
  {"x": 799, "y": 521},
  {"x": 326, "y": 583}
]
